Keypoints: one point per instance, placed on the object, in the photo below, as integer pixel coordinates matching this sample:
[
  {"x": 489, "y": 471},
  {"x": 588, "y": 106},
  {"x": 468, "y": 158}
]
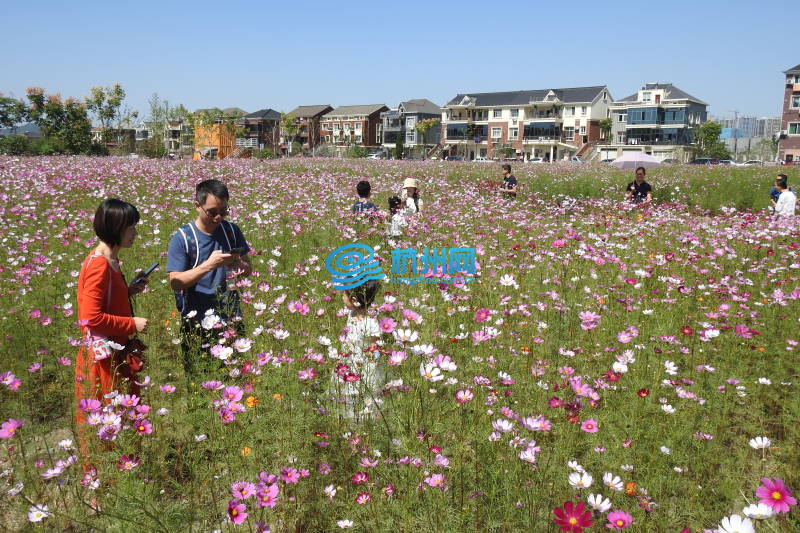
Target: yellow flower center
[
  {"x": 573, "y": 521},
  {"x": 776, "y": 495},
  {"x": 620, "y": 523}
]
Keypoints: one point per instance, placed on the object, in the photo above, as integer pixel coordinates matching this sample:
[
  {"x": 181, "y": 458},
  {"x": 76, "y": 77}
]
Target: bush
[
  {"x": 15, "y": 145},
  {"x": 98, "y": 149},
  {"x": 356, "y": 152},
  {"x": 48, "y": 146},
  {"x": 264, "y": 153}
]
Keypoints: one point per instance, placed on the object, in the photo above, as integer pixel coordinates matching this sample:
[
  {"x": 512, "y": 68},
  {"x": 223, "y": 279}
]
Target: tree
[
  {"x": 706, "y": 137},
  {"x": 66, "y": 121},
  {"x": 398, "y": 147},
  {"x": 105, "y": 102},
  {"x": 12, "y": 112},
  {"x": 605, "y": 127},
  {"x": 423, "y": 127},
  {"x": 289, "y": 129}
]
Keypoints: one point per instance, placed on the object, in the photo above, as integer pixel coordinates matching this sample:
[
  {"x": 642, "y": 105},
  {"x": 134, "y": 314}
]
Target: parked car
[
  {"x": 705, "y": 161},
  {"x": 454, "y": 158},
  {"x": 536, "y": 160},
  {"x": 727, "y": 162},
  {"x": 376, "y": 155},
  {"x": 670, "y": 161},
  {"x": 482, "y": 159},
  {"x": 753, "y": 163},
  {"x": 576, "y": 159},
  {"x": 606, "y": 160}
]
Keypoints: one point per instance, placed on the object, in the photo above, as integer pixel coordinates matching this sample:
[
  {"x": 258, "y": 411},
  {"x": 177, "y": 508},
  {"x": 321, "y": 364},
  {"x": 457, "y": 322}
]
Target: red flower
[
  {"x": 686, "y": 330},
  {"x": 573, "y": 518},
  {"x": 643, "y": 393}
]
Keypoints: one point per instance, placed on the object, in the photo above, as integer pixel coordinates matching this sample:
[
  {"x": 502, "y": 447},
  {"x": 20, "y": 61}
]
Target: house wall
[
  {"x": 215, "y": 135},
  {"x": 790, "y": 144}
]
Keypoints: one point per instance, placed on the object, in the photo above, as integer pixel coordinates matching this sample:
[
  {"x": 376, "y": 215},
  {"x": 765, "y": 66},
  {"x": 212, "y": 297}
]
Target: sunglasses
[{"x": 213, "y": 213}]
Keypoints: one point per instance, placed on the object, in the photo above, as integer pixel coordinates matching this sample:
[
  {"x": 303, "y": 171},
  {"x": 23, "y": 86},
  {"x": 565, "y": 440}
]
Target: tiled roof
[
  {"x": 793, "y": 70},
  {"x": 304, "y": 111},
  {"x": 421, "y": 105},
  {"x": 269, "y": 114},
  {"x": 356, "y": 110},
  {"x": 672, "y": 93},
  {"x": 572, "y": 94}
]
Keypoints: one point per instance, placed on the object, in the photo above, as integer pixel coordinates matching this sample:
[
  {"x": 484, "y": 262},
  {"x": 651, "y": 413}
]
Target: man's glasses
[{"x": 213, "y": 213}]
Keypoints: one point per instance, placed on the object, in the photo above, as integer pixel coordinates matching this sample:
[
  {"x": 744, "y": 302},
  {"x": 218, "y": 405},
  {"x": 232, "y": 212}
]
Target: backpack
[{"x": 189, "y": 235}]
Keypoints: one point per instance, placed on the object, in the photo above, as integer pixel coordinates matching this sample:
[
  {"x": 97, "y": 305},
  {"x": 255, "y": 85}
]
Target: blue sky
[{"x": 283, "y": 54}]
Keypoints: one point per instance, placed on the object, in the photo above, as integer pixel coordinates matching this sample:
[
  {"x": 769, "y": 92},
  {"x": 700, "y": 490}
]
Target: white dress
[{"x": 360, "y": 396}]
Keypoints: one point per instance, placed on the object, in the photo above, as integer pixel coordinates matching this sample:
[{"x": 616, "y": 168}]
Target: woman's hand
[
  {"x": 141, "y": 324},
  {"x": 137, "y": 286}
]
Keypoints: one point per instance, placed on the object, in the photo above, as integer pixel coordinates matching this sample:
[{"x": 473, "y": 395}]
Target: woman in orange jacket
[{"x": 104, "y": 309}]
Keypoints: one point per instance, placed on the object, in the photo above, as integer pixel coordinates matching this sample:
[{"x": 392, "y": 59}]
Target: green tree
[
  {"x": 66, "y": 121},
  {"x": 423, "y": 127},
  {"x": 605, "y": 128},
  {"x": 105, "y": 103},
  {"x": 398, "y": 147},
  {"x": 706, "y": 137},
  {"x": 12, "y": 111},
  {"x": 356, "y": 152},
  {"x": 15, "y": 145},
  {"x": 289, "y": 129}
]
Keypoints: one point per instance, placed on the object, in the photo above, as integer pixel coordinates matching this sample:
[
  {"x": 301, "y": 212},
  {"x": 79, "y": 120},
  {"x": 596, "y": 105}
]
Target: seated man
[
  {"x": 363, "y": 204},
  {"x": 774, "y": 193},
  {"x": 787, "y": 200},
  {"x": 639, "y": 191},
  {"x": 509, "y": 186}
]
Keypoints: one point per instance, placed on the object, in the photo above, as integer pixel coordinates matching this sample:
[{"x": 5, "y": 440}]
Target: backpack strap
[
  {"x": 227, "y": 231},
  {"x": 190, "y": 243}
]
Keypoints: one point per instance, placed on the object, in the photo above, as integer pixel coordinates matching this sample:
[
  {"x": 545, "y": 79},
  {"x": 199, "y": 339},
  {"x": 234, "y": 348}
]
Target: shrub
[
  {"x": 15, "y": 145},
  {"x": 264, "y": 153}
]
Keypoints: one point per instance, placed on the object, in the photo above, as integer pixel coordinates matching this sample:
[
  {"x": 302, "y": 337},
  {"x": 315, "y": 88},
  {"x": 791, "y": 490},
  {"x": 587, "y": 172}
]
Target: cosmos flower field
[{"x": 608, "y": 368}]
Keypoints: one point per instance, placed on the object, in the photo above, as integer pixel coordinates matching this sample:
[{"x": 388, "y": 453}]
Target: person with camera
[
  {"x": 203, "y": 258},
  {"x": 109, "y": 358}
]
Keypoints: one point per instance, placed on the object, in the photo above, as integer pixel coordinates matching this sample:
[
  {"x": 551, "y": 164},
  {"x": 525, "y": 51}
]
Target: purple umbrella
[{"x": 636, "y": 159}]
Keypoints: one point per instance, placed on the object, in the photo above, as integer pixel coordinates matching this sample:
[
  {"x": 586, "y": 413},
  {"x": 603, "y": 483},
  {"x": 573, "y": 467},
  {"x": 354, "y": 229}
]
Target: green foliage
[
  {"x": 398, "y": 147},
  {"x": 65, "y": 120},
  {"x": 605, "y": 127},
  {"x": 12, "y": 111},
  {"x": 707, "y": 138},
  {"x": 152, "y": 147},
  {"x": 16, "y": 145},
  {"x": 265, "y": 153},
  {"x": 355, "y": 152},
  {"x": 105, "y": 103}
]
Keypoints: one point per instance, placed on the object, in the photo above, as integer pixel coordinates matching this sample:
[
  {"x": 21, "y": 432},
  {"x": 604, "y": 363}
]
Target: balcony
[{"x": 796, "y": 88}]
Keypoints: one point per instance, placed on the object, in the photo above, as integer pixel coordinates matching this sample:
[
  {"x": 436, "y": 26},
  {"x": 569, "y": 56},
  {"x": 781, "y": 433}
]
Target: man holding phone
[{"x": 202, "y": 256}]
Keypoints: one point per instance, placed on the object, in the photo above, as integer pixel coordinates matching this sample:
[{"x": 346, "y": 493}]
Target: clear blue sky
[{"x": 278, "y": 55}]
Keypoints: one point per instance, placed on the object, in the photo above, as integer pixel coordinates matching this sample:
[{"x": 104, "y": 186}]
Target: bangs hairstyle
[
  {"x": 112, "y": 218},
  {"x": 212, "y": 187},
  {"x": 364, "y": 294}
]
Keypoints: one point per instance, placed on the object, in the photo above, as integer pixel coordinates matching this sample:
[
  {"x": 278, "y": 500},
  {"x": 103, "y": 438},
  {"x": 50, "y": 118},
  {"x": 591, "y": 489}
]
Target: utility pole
[{"x": 735, "y": 133}]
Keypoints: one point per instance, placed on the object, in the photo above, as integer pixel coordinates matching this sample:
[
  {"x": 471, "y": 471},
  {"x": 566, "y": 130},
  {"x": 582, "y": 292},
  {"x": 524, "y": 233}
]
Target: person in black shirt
[
  {"x": 639, "y": 191},
  {"x": 509, "y": 186},
  {"x": 363, "y": 204}
]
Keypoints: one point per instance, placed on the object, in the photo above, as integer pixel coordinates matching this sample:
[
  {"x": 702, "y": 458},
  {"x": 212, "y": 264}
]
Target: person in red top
[{"x": 104, "y": 309}]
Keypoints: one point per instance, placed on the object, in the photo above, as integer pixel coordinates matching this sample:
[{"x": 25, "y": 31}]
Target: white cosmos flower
[
  {"x": 759, "y": 443},
  {"x": 280, "y": 334},
  {"x": 430, "y": 372},
  {"x": 575, "y": 465},
  {"x": 619, "y": 368},
  {"x": 344, "y": 524},
  {"x": 598, "y": 503},
  {"x": 330, "y": 491},
  {"x": 764, "y": 381},
  {"x": 665, "y": 450},
  {"x": 502, "y": 425},
  {"x": 667, "y": 408},
  {"x": 670, "y": 368},
  {"x": 507, "y": 280},
  {"x": 405, "y": 335},
  {"x": 759, "y": 511},
  {"x": 613, "y": 482},
  {"x": 37, "y": 513},
  {"x": 736, "y": 524},
  {"x": 580, "y": 480}
]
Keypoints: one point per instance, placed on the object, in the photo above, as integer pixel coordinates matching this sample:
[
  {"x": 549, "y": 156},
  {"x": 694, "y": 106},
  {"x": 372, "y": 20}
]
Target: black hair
[
  {"x": 644, "y": 171},
  {"x": 394, "y": 204},
  {"x": 112, "y": 218},
  {"x": 782, "y": 183},
  {"x": 783, "y": 177},
  {"x": 212, "y": 187},
  {"x": 507, "y": 167},
  {"x": 365, "y": 293},
  {"x": 363, "y": 188}
]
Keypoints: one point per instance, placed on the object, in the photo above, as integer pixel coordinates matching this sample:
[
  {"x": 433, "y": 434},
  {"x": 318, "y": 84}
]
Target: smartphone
[
  {"x": 239, "y": 250},
  {"x": 146, "y": 273}
]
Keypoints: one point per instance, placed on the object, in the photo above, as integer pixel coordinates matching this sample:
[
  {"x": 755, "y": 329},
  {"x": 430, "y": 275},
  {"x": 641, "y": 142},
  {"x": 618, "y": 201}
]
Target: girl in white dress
[{"x": 359, "y": 386}]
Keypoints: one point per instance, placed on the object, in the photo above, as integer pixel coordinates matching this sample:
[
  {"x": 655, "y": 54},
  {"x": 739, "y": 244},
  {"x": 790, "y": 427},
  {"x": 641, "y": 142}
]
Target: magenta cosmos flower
[
  {"x": 387, "y": 325},
  {"x": 573, "y": 518},
  {"x": 10, "y": 427},
  {"x": 619, "y": 520},
  {"x": 775, "y": 494},
  {"x": 589, "y": 426},
  {"x": 237, "y": 511}
]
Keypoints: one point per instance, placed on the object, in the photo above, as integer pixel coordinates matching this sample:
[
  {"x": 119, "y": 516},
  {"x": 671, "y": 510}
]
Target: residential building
[
  {"x": 789, "y": 139},
  {"x": 401, "y": 122},
  {"x": 350, "y": 125},
  {"x": 259, "y": 130},
  {"x": 548, "y": 123},
  {"x": 307, "y": 120},
  {"x": 658, "y": 120},
  {"x": 214, "y": 141},
  {"x": 750, "y": 137}
]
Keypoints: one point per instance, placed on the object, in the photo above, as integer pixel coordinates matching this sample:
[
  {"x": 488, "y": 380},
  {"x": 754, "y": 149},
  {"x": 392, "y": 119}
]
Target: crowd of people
[{"x": 205, "y": 256}]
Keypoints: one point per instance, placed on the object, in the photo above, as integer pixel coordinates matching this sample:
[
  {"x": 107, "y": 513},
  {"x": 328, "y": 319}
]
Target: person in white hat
[{"x": 410, "y": 196}]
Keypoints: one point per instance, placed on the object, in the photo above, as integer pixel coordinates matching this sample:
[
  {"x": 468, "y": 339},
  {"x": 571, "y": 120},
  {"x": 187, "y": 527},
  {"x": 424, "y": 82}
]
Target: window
[
  {"x": 327, "y": 138},
  {"x": 583, "y": 130},
  {"x": 583, "y": 110},
  {"x": 410, "y": 137},
  {"x": 621, "y": 138},
  {"x": 336, "y": 127},
  {"x": 794, "y": 128},
  {"x": 569, "y": 111},
  {"x": 515, "y": 113},
  {"x": 496, "y": 133},
  {"x": 358, "y": 126},
  {"x": 378, "y": 136},
  {"x": 795, "y": 102},
  {"x": 358, "y": 138},
  {"x": 411, "y": 122},
  {"x": 513, "y": 133},
  {"x": 497, "y": 113},
  {"x": 569, "y": 133},
  {"x": 646, "y": 96}
]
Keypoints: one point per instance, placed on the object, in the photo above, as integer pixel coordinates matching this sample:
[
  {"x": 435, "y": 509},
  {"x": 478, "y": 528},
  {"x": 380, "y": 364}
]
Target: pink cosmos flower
[
  {"x": 237, "y": 511},
  {"x": 359, "y": 477},
  {"x": 559, "y": 243},
  {"x": 307, "y": 374},
  {"x": 482, "y": 315},
  {"x": 363, "y": 498},
  {"x": 589, "y": 426},
  {"x": 619, "y": 520},
  {"x": 464, "y": 396},
  {"x": 34, "y": 367},
  {"x": 212, "y": 385},
  {"x": 290, "y": 475},
  {"x": 232, "y": 394},
  {"x": 387, "y": 325},
  {"x": 144, "y": 427},
  {"x": 167, "y": 389},
  {"x": 66, "y": 361},
  {"x": 9, "y": 428},
  {"x": 242, "y": 490},
  {"x": 128, "y": 463},
  {"x": 267, "y": 496},
  {"x": 775, "y": 494},
  {"x": 435, "y": 480},
  {"x": 129, "y": 400}
]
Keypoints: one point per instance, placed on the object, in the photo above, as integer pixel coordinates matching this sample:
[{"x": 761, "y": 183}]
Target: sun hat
[{"x": 410, "y": 182}]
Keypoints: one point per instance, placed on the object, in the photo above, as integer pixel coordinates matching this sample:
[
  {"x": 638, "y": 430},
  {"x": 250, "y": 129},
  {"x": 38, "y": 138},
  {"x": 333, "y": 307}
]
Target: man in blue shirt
[
  {"x": 363, "y": 204},
  {"x": 202, "y": 256},
  {"x": 774, "y": 193}
]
